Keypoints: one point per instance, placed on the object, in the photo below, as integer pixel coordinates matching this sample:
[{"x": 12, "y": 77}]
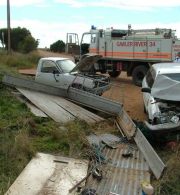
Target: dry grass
[
  {"x": 169, "y": 184},
  {"x": 18, "y": 60}
]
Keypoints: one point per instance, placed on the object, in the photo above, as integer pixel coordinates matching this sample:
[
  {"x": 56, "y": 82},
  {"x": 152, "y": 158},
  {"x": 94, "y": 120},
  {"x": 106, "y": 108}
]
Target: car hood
[
  {"x": 86, "y": 64},
  {"x": 166, "y": 89}
]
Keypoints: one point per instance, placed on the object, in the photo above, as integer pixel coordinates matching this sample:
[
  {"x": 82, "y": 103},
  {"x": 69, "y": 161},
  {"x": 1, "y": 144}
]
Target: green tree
[
  {"x": 58, "y": 46},
  {"x": 21, "y": 39},
  {"x": 28, "y": 44}
]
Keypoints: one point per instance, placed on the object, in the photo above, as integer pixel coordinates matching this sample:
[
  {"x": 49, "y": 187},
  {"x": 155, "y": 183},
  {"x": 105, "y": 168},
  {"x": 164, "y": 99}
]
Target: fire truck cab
[{"x": 133, "y": 51}]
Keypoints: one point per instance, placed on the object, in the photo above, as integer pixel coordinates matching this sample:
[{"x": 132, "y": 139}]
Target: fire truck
[{"x": 133, "y": 51}]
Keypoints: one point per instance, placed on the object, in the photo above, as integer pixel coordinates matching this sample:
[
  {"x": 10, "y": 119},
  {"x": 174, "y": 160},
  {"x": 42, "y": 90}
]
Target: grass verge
[
  {"x": 22, "y": 135},
  {"x": 18, "y": 60}
]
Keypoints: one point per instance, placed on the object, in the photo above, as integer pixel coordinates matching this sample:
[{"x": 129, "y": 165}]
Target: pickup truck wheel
[
  {"x": 114, "y": 73},
  {"x": 138, "y": 74}
]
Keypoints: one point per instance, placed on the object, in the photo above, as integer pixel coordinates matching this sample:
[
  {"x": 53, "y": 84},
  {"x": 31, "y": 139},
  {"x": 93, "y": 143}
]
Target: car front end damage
[
  {"x": 101, "y": 83},
  {"x": 99, "y": 80},
  {"x": 93, "y": 83},
  {"x": 85, "y": 77},
  {"x": 167, "y": 117}
]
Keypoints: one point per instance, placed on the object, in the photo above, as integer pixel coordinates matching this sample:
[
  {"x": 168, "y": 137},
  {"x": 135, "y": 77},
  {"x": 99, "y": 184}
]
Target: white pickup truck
[{"x": 63, "y": 73}]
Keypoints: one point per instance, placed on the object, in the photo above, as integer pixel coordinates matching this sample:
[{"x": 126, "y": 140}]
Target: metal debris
[
  {"x": 121, "y": 176},
  {"x": 123, "y": 168},
  {"x": 49, "y": 174},
  {"x": 108, "y": 139}
]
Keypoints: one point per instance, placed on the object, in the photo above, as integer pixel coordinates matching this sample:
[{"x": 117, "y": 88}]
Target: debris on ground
[
  {"x": 116, "y": 174},
  {"x": 49, "y": 174},
  {"x": 89, "y": 191},
  {"x": 127, "y": 154},
  {"x": 84, "y": 98},
  {"x": 119, "y": 146},
  {"x": 147, "y": 188},
  {"x": 59, "y": 109},
  {"x": 131, "y": 130}
]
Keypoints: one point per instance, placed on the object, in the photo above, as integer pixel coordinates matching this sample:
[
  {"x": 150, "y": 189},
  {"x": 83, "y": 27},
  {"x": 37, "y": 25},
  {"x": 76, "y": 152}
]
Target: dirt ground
[
  {"x": 45, "y": 53},
  {"x": 122, "y": 90}
]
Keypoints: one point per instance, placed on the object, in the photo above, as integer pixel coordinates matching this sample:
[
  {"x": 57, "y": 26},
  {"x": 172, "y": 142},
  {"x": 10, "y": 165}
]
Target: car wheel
[{"x": 138, "y": 74}]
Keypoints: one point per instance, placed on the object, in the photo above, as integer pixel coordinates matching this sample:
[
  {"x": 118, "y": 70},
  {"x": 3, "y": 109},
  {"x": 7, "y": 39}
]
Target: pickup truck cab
[{"x": 63, "y": 73}]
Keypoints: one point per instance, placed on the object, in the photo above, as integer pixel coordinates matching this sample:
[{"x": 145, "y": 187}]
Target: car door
[{"x": 49, "y": 74}]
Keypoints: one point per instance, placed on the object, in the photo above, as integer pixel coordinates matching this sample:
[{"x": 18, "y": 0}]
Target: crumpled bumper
[{"x": 167, "y": 127}]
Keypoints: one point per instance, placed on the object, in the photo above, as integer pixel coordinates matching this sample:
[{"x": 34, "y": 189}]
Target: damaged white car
[
  {"x": 161, "y": 95},
  {"x": 63, "y": 73}
]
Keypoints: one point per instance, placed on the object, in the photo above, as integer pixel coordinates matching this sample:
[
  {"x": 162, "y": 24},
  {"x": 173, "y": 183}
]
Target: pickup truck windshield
[{"x": 66, "y": 65}]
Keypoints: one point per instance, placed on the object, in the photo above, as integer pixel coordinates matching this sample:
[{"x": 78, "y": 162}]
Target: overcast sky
[{"x": 50, "y": 20}]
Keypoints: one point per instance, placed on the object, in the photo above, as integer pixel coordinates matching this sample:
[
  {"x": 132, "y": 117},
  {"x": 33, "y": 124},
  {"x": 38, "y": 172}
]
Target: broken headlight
[
  {"x": 175, "y": 119},
  {"x": 166, "y": 117}
]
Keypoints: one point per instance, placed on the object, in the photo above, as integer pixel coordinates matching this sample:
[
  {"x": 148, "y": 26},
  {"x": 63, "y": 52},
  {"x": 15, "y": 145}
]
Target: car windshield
[
  {"x": 173, "y": 76},
  {"x": 66, "y": 65},
  {"x": 166, "y": 87}
]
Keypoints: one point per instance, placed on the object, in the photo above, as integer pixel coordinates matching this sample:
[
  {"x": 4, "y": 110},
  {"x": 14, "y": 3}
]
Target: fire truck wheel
[
  {"x": 138, "y": 74},
  {"x": 114, "y": 73}
]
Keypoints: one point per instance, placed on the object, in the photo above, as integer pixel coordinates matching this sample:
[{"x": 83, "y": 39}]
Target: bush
[
  {"x": 58, "y": 46},
  {"x": 28, "y": 44},
  {"x": 21, "y": 40}
]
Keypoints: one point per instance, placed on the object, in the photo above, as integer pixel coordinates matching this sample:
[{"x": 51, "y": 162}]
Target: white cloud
[
  {"x": 48, "y": 33},
  {"x": 21, "y": 3},
  {"x": 73, "y": 3},
  {"x": 121, "y": 4},
  {"x": 130, "y": 4}
]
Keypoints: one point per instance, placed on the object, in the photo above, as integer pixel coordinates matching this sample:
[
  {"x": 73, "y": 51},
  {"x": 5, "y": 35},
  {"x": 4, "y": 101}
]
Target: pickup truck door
[{"x": 49, "y": 73}]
